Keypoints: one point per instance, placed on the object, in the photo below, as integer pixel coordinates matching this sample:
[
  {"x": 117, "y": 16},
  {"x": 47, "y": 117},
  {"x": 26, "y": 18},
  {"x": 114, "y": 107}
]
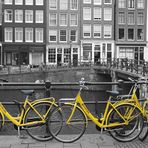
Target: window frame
[
  {"x": 87, "y": 11},
  {"x": 39, "y": 35},
  {"x": 39, "y": 17},
  {"x": 55, "y": 33},
  {"x": 9, "y": 35},
  {"x": 20, "y": 34},
  {"x": 66, "y": 19},
  {"x": 30, "y": 15},
  {"x": 8, "y": 15},
  {"x": 51, "y": 4},
  {"x": 73, "y": 19},
  {"x": 105, "y": 31},
  {"x": 30, "y": 40},
  {"x": 62, "y": 35},
  {"x": 18, "y": 16},
  {"x": 55, "y": 19},
  {"x": 88, "y": 31}
]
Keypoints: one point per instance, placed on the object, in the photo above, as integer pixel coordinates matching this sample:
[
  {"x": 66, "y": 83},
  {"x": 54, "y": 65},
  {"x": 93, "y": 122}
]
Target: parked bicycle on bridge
[{"x": 68, "y": 122}]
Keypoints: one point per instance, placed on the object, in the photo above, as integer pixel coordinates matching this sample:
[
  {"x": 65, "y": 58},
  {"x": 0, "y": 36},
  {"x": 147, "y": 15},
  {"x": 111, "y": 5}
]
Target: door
[
  {"x": 75, "y": 60},
  {"x": 59, "y": 59}
]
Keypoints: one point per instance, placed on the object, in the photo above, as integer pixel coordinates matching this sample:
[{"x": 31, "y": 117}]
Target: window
[
  {"x": 107, "y": 31},
  {"x": 63, "y": 36},
  {"x": 140, "y": 18},
  {"x": 73, "y": 20},
  {"x": 52, "y": 35},
  {"x": 140, "y": 4},
  {"x": 39, "y": 16},
  {"x": 87, "y": 31},
  {"x": 28, "y": 2},
  {"x": 39, "y": 34},
  {"x": 29, "y": 16},
  {"x": 121, "y": 3},
  {"x": 97, "y": 13},
  {"x": 39, "y": 2},
  {"x": 18, "y": 16},
  {"x": 53, "y": 4},
  {"x": 67, "y": 55},
  {"x": 63, "y": 19},
  {"x": 107, "y": 1},
  {"x": 18, "y": 34},
  {"x": 140, "y": 34},
  {"x": 73, "y": 35},
  {"x": 131, "y": 18},
  {"x": 8, "y": 34},
  {"x": 18, "y": 2},
  {"x": 87, "y": 13},
  {"x": 131, "y": 34},
  {"x": 97, "y": 31},
  {"x": 8, "y": 2},
  {"x": 126, "y": 52},
  {"x": 121, "y": 33},
  {"x": 73, "y": 4},
  {"x": 52, "y": 55},
  {"x": 87, "y": 52},
  {"x": 107, "y": 14},
  {"x": 87, "y": 1},
  {"x": 63, "y": 4},
  {"x": 97, "y": 2},
  {"x": 52, "y": 19},
  {"x": 8, "y": 15},
  {"x": 131, "y": 3},
  {"x": 29, "y": 34},
  {"x": 121, "y": 18}
]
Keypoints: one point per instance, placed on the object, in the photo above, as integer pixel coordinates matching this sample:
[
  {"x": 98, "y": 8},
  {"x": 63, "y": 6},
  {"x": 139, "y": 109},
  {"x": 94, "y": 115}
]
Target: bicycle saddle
[
  {"x": 113, "y": 93},
  {"x": 27, "y": 92}
]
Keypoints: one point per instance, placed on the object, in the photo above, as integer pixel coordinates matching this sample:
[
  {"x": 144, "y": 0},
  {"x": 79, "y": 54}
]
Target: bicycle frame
[
  {"x": 19, "y": 121},
  {"x": 99, "y": 122}
]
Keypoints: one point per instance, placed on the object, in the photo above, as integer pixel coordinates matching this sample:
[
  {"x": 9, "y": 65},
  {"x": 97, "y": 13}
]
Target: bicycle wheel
[
  {"x": 143, "y": 135},
  {"x": 40, "y": 131},
  {"x": 68, "y": 132},
  {"x": 125, "y": 133}
]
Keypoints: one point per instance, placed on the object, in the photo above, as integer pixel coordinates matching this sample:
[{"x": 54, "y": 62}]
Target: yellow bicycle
[
  {"x": 70, "y": 119},
  {"x": 32, "y": 118},
  {"x": 133, "y": 98}
]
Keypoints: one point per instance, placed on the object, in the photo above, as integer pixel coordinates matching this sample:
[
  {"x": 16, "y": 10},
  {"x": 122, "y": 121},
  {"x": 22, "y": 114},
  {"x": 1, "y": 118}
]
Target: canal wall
[{"x": 58, "y": 75}]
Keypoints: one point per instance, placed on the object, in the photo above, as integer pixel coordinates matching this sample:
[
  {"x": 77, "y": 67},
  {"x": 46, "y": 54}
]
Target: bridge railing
[
  {"x": 130, "y": 65},
  {"x": 48, "y": 89}
]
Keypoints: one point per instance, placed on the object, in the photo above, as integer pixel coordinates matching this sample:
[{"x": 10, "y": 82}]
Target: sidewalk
[{"x": 86, "y": 141}]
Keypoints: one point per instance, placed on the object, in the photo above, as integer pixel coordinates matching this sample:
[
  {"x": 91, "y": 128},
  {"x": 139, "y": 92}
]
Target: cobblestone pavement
[{"x": 87, "y": 141}]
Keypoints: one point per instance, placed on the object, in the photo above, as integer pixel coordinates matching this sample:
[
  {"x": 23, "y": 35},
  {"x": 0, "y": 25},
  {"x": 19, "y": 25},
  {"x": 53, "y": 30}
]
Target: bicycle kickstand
[
  {"x": 19, "y": 132},
  {"x": 101, "y": 137}
]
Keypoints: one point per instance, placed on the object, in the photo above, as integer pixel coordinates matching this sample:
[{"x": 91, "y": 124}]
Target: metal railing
[{"x": 130, "y": 65}]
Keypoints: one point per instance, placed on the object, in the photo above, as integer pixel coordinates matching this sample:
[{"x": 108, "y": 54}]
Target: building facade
[
  {"x": 24, "y": 32},
  {"x": 63, "y": 21},
  {"x": 131, "y": 26},
  {"x": 97, "y": 33},
  {"x": 62, "y": 32}
]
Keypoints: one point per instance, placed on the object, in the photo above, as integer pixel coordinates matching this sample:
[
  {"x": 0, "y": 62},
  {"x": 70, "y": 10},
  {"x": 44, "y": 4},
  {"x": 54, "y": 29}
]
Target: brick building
[
  {"x": 131, "y": 26},
  {"x": 24, "y": 32}
]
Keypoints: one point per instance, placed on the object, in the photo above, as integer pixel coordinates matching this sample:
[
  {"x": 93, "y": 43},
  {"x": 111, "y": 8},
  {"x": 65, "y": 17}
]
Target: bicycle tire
[
  {"x": 1, "y": 121},
  {"x": 39, "y": 132},
  {"x": 143, "y": 135},
  {"x": 126, "y": 133},
  {"x": 70, "y": 132}
]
